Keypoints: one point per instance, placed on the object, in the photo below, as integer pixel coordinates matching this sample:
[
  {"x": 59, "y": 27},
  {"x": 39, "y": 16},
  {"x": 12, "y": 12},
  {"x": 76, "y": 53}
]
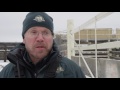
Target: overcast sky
[{"x": 11, "y": 23}]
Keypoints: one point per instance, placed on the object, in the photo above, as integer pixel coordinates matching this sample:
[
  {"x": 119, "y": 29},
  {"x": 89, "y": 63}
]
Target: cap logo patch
[{"x": 39, "y": 19}]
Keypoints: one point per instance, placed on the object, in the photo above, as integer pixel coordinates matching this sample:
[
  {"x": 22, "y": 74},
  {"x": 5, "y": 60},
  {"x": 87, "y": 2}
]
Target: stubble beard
[{"x": 39, "y": 56}]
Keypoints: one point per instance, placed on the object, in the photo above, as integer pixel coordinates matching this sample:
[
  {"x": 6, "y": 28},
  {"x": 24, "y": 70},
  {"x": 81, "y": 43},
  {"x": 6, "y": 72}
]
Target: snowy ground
[{"x": 3, "y": 64}]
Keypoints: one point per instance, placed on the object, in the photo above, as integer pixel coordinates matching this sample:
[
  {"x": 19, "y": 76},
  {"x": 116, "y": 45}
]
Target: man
[{"x": 37, "y": 56}]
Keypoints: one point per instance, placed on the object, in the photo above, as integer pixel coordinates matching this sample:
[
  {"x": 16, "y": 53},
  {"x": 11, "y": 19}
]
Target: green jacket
[{"x": 54, "y": 65}]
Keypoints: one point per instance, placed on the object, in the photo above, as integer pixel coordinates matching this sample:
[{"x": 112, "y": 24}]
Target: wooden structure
[{"x": 5, "y": 47}]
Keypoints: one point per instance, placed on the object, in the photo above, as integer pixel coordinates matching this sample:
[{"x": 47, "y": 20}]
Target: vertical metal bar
[
  {"x": 96, "y": 49},
  {"x": 79, "y": 49}
]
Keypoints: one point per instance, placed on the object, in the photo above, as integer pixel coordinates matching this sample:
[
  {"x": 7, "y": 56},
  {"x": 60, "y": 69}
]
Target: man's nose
[{"x": 40, "y": 37}]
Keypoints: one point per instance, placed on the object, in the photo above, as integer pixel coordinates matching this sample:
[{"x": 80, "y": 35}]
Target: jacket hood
[{"x": 18, "y": 52}]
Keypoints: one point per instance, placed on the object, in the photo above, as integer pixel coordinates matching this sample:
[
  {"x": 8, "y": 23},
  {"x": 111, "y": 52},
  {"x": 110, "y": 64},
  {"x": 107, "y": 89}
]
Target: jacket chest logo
[{"x": 59, "y": 69}]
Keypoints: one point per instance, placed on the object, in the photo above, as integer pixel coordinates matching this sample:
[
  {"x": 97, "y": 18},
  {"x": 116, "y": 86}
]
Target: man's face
[{"x": 38, "y": 42}]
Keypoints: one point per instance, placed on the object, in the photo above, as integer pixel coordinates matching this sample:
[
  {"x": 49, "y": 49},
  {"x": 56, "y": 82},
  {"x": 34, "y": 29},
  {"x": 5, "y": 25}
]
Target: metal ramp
[{"x": 107, "y": 45}]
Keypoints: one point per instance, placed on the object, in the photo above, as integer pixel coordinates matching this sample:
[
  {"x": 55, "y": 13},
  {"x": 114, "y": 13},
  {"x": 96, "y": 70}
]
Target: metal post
[
  {"x": 79, "y": 49},
  {"x": 70, "y": 39},
  {"x": 96, "y": 50}
]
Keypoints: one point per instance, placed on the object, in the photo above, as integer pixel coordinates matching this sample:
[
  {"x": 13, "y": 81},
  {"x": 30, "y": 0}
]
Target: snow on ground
[
  {"x": 3, "y": 64},
  {"x": 87, "y": 76}
]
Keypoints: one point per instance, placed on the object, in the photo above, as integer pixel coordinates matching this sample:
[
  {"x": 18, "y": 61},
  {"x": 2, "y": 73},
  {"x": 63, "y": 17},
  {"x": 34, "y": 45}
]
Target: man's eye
[
  {"x": 45, "y": 33},
  {"x": 34, "y": 32}
]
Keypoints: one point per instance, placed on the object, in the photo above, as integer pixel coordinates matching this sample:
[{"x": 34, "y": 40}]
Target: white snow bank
[{"x": 3, "y": 64}]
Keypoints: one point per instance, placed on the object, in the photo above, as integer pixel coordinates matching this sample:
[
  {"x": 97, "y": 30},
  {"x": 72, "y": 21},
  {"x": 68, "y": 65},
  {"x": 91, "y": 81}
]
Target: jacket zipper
[{"x": 35, "y": 75}]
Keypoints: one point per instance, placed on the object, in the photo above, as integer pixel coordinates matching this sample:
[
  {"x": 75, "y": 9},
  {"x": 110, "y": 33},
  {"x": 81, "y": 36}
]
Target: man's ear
[{"x": 23, "y": 41}]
